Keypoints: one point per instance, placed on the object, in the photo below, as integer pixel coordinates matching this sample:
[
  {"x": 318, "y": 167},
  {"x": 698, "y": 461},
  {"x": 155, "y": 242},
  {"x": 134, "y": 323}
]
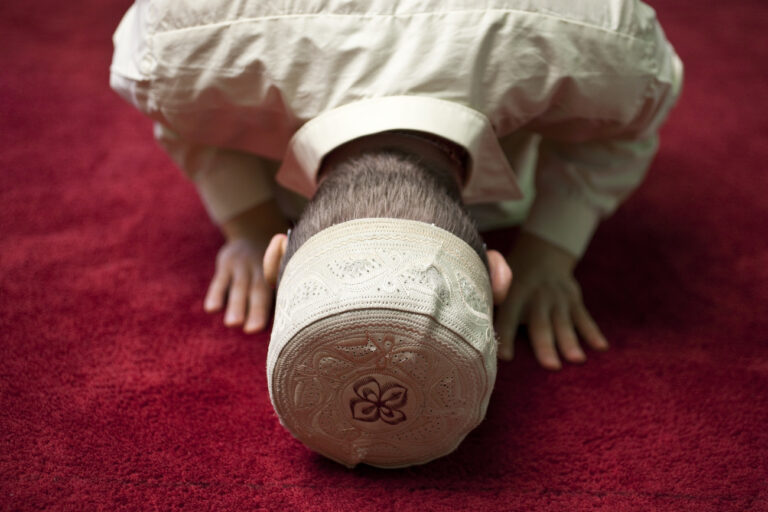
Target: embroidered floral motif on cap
[{"x": 375, "y": 401}]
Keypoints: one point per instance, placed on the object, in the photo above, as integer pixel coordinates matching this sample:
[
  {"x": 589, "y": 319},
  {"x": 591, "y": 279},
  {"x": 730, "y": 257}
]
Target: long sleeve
[
  {"x": 593, "y": 79},
  {"x": 579, "y": 184},
  {"x": 582, "y": 175},
  {"x": 229, "y": 182}
]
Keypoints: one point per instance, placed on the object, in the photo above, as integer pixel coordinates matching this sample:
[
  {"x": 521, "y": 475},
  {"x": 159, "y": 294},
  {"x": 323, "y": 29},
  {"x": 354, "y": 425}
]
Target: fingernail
[{"x": 554, "y": 364}]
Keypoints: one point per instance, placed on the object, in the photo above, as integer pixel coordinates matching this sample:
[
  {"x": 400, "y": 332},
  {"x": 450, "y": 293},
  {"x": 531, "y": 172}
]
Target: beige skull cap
[{"x": 382, "y": 350}]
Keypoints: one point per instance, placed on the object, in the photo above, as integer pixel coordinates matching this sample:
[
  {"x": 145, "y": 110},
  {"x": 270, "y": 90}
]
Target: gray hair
[{"x": 386, "y": 183}]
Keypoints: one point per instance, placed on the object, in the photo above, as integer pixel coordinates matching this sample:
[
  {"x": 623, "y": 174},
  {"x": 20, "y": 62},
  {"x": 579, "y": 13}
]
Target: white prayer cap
[{"x": 382, "y": 349}]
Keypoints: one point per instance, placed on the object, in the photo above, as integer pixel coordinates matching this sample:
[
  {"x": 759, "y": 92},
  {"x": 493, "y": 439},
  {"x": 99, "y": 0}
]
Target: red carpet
[{"x": 118, "y": 393}]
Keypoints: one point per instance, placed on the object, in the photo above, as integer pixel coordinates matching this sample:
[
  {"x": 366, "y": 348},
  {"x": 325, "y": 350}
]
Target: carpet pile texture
[{"x": 118, "y": 393}]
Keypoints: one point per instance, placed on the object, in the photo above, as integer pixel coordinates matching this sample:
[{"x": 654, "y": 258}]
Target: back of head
[
  {"x": 382, "y": 349},
  {"x": 386, "y": 184}
]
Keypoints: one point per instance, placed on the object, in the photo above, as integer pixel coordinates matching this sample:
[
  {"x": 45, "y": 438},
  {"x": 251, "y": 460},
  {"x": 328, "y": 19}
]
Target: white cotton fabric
[
  {"x": 382, "y": 350},
  {"x": 559, "y": 103}
]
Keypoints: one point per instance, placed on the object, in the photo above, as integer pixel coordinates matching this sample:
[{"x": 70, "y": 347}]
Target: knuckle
[
  {"x": 238, "y": 260},
  {"x": 539, "y": 294},
  {"x": 587, "y": 317},
  {"x": 542, "y": 338},
  {"x": 242, "y": 286},
  {"x": 257, "y": 275},
  {"x": 226, "y": 257},
  {"x": 236, "y": 290},
  {"x": 572, "y": 290},
  {"x": 568, "y": 337},
  {"x": 581, "y": 311}
]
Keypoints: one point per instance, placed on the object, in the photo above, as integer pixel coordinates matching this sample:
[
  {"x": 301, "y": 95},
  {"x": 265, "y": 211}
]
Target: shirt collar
[{"x": 490, "y": 176}]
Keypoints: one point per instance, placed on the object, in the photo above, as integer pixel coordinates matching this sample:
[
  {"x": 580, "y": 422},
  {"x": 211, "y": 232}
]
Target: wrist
[
  {"x": 257, "y": 224},
  {"x": 536, "y": 247}
]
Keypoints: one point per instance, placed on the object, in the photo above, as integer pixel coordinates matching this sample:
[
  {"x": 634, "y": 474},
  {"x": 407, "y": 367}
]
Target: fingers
[
  {"x": 249, "y": 301},
  {"x": 214, "y": 298},
  {"x": 565, "y": 336},
  {"x": 588, "y": 328},
  {"x": 239, "y": 280},
  {"x": 540, "y": 330},
  {"x": 238, "y": 292},
  {"x": 551, "y": 304},
  {"x": 259, "y": 304}
]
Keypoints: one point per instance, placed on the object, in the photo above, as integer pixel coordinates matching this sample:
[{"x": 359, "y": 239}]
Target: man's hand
[
  {"x": 545, "y": 296},
  {"x": 239, "y": 272}
]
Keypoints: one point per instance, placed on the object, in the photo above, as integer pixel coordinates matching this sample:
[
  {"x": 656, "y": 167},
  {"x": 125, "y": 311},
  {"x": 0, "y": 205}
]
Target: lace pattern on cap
[
  {"x": 375, "y": 389},
  {"x": 407, "y": 270}
]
